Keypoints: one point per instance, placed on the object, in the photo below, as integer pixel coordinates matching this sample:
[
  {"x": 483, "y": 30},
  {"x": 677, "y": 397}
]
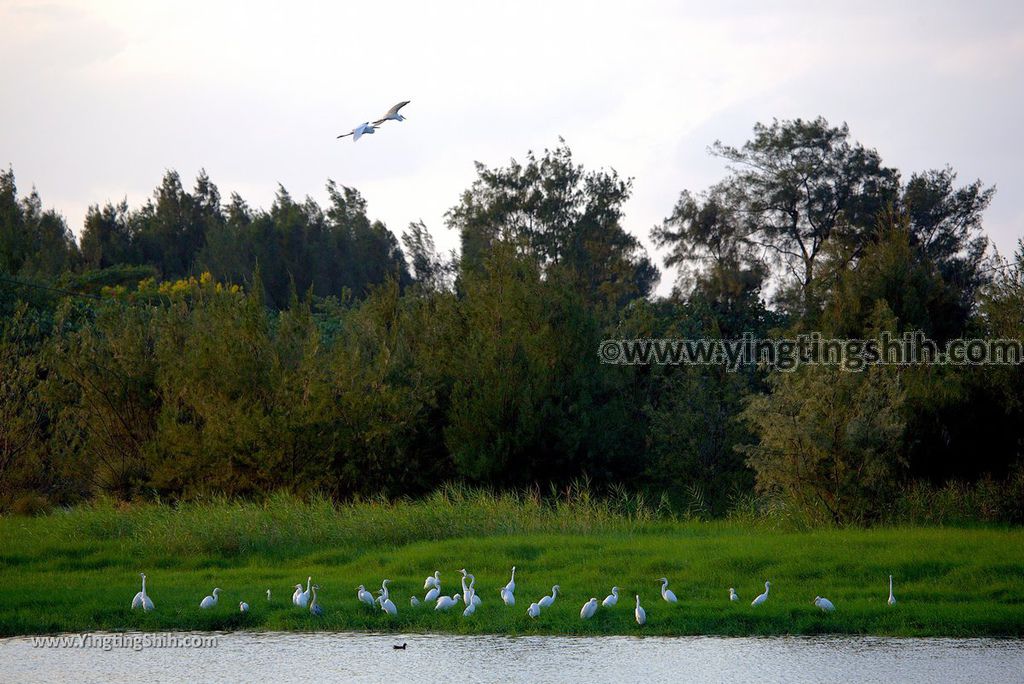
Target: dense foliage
[{"x": 194, "y": 346}]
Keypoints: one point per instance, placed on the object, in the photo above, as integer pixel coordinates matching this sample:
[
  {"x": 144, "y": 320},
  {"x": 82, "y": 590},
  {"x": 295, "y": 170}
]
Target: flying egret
[
  {"x": 392, "y": 114},
  {"x": 432, "y": 581},
  {"x": 611, "y": 599},
  {"x": 446, "y": 602},
  {"x": 892, "y": 599},
  {"x": 588, "y": 610},
  {"x": 314, "y": 605},
  {"x": 414, "y": 602},
  {"x": 823, "y": 603},
  {"x": 365, "y": 596},
  {"x": 359, "y": 131},
  {"x": 511, "y": 586},
  {"x": 141, "y": 599},
  {"x": 302, "y": 600},
  {"x": 210, "y": 601},
  {"x": 666, "y": 593},
  {"x": 533, "y": 611},
  {"x": 243, "y": 607},
  {"x": 641, "y": 614},
  {"x": 762, "y": 597},
  {"x": 733, "y": 596},
  {"x": 548, "y": 600}
]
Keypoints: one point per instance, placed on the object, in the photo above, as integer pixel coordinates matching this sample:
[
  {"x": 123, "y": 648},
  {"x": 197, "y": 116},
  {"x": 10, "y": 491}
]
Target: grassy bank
[{"x": 78, "y": 570}]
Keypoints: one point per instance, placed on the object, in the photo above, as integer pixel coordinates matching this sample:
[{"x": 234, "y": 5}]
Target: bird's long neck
[
  {"x": 144, "y": 585},
  {"x": 308, "y": 580},
  {"x": 890, "y": 586}
]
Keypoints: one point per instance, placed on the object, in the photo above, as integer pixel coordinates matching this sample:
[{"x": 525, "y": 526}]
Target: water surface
[{"x": 348, "y": 657}]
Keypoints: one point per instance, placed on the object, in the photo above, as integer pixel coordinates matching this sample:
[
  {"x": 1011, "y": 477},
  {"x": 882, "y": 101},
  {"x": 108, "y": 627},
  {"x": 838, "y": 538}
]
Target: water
[{"x": 346, "y": 657}]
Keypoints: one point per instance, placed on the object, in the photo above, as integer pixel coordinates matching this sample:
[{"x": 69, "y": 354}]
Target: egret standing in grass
[
  {"x": 302, "y": 600},
  {"x": 314, "y": 605},
  {"x": 548, "y": 600},
  {"x": 268, "y": 594},
  {"x": 432, "y": 581},
  {"x": 387, "y": 605},
  {"x": 446, "y": 602},
  {"x": 611, "y": 599},
  {"x": 511, "y": 586},
  {"x": 733, "y": 595},
  {"x": 243, "y": 607},
  {"x": 433, "y": 594},
  {"x": 667, "y": 593},
  {"x": 641, "y": 614},
  {"x": 588, "y": 609},
  {"x": 141, "y": 599},
  {"x": 761, "y": 598},
  {"x": 534, "y": 610},
  {"x": 823, "y": 603},
  {"x": 296, "y": 594},
  {"x": 414, "y": 602},
  {"x": 892, "y": 599},
  {"x": 210, "y": 601},
  {"x": 365, "y": 596}
]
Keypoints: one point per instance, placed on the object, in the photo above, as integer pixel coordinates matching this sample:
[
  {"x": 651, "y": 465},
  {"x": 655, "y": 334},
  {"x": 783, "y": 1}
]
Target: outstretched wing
[{"x": 394, "y": 110}]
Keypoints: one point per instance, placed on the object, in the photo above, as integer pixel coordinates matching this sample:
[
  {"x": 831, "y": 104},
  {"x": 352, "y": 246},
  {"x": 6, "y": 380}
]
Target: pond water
[{"x": 346, "y": 657}]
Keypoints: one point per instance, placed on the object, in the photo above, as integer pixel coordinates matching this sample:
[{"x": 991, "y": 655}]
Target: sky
[{"x": 100, "y": 98}]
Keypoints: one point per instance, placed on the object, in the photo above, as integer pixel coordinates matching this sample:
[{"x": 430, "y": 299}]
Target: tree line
[{"x": 193, "y": 346}]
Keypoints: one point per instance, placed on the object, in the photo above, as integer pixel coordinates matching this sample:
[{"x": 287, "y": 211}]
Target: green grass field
[{"x": 78, "y": 570}]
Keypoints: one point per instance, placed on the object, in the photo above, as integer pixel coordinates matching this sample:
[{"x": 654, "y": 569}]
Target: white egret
[
  {"x": 414, "y": 602},
  {"x": 314, "y": 606},
  {"x": 359, "y": 131},
  {"x": 892, "y": 599},
  {"x": 666, "y": 593},
  {"x": 548, "y": 600},
  {"x": 470, "y": 606},
  {"x": 296, "y": 594},
  {"x": 641, "y": 614},
  {"x": 432, "y": 595},
  {"x": 507, "y": 596},
  {"x": 387, "y": 605},
  {"x": 243, "y": 607},
  {"x": 365, "y": 596},
  {"x": 384, "y": 589},
  {"x": 303, "y": 599},
  {"x": 141, "y": 599},
  {"x": 268, "y": 594},
  {"x": 474, "y": 599},
  {"x": 210, "y": 601},
  {"x": 588, "y": 610},
  {"x": 511, "y": 586},
  {"x": 611, "y": 599},
  {"x": 733, "y": 596},
  {"x": 761, "y": 598},
  {"x": 392, "y": 114},
  {"x": 823, "y": 603},
  {"x": 432, "y": 581},
  {"x": 446, "y": 602},
  {"x": 533, "y": 611}
]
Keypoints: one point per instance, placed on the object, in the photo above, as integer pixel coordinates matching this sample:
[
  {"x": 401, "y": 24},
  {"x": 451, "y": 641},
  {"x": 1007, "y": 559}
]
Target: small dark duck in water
[{"x": 399, "y": 648}]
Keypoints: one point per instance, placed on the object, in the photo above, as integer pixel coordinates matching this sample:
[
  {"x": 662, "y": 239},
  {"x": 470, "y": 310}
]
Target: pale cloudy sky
[{"x": 99, "y": 98}]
